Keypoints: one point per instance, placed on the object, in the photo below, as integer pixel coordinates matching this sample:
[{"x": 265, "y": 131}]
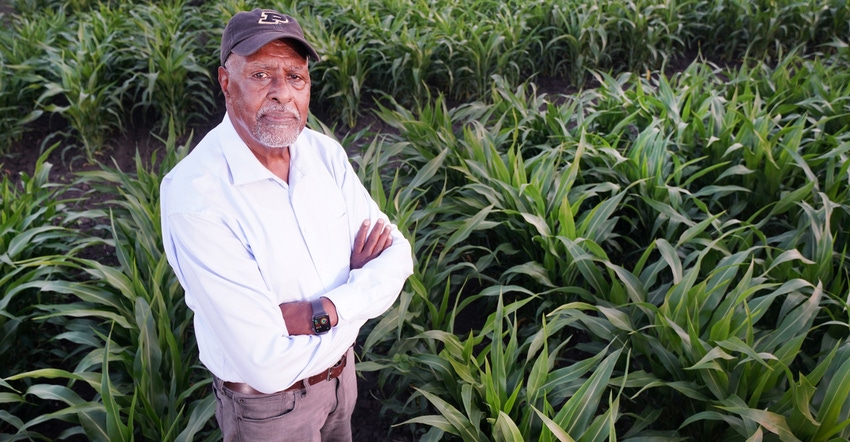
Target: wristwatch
[{"x": 321, "y": 319}]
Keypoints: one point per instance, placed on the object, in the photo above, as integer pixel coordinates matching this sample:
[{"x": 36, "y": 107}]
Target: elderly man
[{"x": 282, "y": 252}]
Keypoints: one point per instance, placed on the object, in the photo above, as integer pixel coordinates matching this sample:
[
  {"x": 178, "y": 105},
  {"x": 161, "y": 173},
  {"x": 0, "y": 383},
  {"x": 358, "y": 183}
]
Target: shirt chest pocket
[
  {"x": 323, "y": 217},
  {"x": 336, "y": 230}
]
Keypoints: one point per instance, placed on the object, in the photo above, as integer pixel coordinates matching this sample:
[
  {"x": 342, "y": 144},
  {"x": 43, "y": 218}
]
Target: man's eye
[{"x": 260, "y": 75}]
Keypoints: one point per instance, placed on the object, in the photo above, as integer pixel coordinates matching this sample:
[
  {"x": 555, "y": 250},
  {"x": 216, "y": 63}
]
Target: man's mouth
[
  {"x": 278, "y": 118},
  {"x": 283, "y": 116}
]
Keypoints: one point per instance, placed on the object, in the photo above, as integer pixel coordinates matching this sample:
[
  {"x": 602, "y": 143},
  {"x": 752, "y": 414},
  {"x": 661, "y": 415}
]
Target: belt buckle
[{"x": 330, "y": 370}]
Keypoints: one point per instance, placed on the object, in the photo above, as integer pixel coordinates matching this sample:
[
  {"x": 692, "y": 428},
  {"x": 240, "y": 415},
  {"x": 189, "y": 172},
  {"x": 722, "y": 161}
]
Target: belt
[{"x": 332, "y": 372}]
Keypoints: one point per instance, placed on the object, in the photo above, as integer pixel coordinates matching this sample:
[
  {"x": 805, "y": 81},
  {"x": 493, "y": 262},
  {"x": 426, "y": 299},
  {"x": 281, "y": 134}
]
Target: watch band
[{"x": 318, "y": 308}]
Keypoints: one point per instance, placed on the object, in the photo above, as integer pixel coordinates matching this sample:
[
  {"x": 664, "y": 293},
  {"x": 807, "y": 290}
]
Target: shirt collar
[{"x": 244, "y": 166}]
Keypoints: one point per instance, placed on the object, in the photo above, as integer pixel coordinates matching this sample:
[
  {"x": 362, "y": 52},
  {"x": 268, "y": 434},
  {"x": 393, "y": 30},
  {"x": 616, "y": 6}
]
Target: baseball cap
[{"x": 247, "y": 32}]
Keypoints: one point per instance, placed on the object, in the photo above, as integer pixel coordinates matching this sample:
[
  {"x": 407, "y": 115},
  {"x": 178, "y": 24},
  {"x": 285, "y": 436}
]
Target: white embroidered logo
[{"x": 272, "y": 18}]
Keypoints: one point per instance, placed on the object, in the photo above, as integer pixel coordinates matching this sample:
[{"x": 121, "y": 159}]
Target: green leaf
[
  {"x": 115, "y": 428},
  {"x": 833, "y": 411},
  {"x": 618, "y": 318},
  {"x": 469, "y": 225},
  {"x": 553, "y": 427},
  {"x": 202, "y": 411},
  {"x": 506, "y": 429},
  {"x": 772, "y": 422},
  {"x": 24, "y": 240},
  {"x": 457, "y": 423},
  {"x": 575, "y": 415}
]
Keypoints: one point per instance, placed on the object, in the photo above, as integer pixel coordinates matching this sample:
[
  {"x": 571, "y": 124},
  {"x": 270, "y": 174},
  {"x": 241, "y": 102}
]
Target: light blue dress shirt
[{"x": 242, "y": 241}]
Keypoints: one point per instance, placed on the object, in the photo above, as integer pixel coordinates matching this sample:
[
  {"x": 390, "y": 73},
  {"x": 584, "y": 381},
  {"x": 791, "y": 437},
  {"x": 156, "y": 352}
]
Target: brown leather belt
[{"x": 332, "y": 372}]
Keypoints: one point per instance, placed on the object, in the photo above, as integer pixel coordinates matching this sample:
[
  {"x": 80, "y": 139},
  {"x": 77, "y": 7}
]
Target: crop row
[{"x": 106, "y": 64}]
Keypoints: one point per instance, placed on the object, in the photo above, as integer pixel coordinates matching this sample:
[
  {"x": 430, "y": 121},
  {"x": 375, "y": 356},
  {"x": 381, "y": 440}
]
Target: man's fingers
[
  {"x": 360, "y": 239},
  {"x": 369, "y": 244},
  {"x": 374, "y": 239},
  {"x": 386, "y": 239},
  {"x": 380, "y": 239}
]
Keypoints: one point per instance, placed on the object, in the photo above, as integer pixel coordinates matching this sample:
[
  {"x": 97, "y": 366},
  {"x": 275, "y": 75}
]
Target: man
[{"x": 282, "y": 252}]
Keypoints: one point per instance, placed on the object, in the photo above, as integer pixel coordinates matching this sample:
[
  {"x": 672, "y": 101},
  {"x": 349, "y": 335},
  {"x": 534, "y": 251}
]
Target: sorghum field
[{"x": 629, "y": 218}]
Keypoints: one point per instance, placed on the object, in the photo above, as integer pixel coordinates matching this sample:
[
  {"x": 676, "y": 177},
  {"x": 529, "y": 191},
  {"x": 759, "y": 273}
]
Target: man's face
[{"x": 267, "y": 94}]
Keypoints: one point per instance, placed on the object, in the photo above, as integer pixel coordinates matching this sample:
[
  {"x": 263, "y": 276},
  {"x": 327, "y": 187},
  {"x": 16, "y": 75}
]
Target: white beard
[{"x": 278, "y": 136}]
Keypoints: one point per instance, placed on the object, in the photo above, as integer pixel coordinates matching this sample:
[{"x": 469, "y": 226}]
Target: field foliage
[{"x": 657, "y": 251}]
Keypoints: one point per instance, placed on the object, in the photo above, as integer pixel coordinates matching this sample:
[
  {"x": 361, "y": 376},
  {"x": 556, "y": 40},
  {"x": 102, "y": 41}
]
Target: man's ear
[{"x": 224, "y": 81}]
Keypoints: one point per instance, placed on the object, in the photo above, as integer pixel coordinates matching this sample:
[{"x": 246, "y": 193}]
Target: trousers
[{"x": 317, "y": 413}]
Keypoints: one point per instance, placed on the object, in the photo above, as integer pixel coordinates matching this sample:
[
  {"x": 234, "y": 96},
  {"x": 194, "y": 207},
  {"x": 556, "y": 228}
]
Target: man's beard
[{"x": 278, "y": 136}]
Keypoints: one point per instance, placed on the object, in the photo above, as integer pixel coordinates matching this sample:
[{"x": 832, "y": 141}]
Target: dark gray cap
[{"x": 247, "y": 32}]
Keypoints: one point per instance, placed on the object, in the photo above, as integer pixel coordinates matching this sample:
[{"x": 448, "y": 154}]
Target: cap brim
[{"x": 253, "y": 44}]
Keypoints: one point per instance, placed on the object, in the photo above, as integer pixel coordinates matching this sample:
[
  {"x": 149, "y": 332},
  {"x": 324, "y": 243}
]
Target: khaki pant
[{"x": 318, "y": 413}]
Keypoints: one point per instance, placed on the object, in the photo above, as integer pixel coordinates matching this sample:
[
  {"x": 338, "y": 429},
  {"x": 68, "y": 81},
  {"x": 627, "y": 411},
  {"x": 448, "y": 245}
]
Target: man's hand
[{"x": 367, "y": 248}]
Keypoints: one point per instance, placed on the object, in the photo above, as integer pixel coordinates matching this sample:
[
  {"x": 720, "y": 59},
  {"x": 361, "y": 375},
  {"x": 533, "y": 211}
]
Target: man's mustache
[{"x": 286, "y": 110}]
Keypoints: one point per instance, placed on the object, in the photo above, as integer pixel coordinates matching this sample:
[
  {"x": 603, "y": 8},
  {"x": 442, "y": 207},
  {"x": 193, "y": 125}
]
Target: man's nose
[{"x": 280, "y": 90}]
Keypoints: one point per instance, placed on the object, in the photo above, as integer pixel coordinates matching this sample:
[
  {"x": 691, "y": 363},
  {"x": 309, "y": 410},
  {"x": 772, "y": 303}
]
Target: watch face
[{"x": 321, "y": 323}]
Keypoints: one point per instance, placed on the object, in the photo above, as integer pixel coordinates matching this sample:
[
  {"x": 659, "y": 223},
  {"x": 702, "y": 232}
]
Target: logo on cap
[{"x": 272, "y": 18}]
